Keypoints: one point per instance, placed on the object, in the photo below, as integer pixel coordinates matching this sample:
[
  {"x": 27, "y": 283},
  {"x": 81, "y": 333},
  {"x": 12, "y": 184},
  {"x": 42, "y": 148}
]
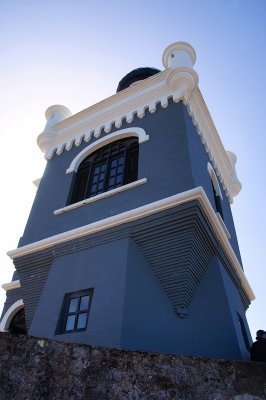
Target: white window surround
[
  {"x": 214, "y": 180},
  {"x": 121, "y": 134},
  {"x": 7, "y": 318},
  {"x": 101, "y": 196}
]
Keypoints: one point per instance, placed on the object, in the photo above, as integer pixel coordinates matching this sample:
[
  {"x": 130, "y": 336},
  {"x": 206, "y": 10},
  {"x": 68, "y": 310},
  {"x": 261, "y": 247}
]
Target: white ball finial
[
  {"x": 179, "y": 54},
  {"x": 178, "y": 59},
  {"x": 56, "y": 114}
]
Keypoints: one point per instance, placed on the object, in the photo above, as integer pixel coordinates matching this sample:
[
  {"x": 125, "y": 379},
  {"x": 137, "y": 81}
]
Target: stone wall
[{"x": 33, "y": 368}]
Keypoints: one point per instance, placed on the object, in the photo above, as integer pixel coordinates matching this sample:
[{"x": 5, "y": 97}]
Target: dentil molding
[{"x": 179, "y": 82}]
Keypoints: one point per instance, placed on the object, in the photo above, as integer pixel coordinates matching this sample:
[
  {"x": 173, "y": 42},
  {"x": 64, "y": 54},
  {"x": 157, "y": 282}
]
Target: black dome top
[{"x": 137, "y": 74}]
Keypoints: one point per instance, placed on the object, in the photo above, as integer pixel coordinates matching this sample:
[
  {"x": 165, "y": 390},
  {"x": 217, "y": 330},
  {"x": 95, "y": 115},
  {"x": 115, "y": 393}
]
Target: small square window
[{"x": 75, "y": 312}]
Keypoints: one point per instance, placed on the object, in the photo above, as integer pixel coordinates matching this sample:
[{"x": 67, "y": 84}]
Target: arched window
[
  {"x": 18, "y": 324},
  {"x": 14, "y": 319},
  {"x": 111, "y": 166},
  {"x": 216, "y": 190}
]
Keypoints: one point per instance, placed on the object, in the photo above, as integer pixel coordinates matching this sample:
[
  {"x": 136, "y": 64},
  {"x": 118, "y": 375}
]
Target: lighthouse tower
[{"x": 130, "y": 242}]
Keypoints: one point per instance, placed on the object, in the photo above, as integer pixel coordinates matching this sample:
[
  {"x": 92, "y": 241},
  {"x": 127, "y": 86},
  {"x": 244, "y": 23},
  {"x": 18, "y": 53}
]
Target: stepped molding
[
  {"x": 142, "y": 212},
  {"x": 177, "y": 84}
]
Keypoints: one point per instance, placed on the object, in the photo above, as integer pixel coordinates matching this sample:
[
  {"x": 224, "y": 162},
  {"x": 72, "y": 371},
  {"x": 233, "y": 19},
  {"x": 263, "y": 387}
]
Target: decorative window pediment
[
  {"x": 121, "y": 134},
  {"x": 218, "y": 197},
  {"x": 107, "y": 164}
]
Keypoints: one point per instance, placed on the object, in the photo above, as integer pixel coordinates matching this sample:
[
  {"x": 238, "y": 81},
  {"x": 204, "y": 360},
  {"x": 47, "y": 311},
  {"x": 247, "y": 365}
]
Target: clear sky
[{"x": 74, "y": 52}]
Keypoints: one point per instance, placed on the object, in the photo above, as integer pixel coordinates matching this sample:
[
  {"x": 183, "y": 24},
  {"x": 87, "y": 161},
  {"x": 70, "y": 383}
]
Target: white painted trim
[
  {"x": 140, "y": 99},
  {"x": 179, "y": 54},
  {"x": 101, "y": 196},
  {"x": 36, "y": 182},
  {"x": 223, "y": 226},
  {"x": 101, "y": 116},
  {"x": 142, "y": 212},
  {"x": 222, "y": 164},
  {"x": 7, "y": 318},
  {"x": 214, "y": 180},
  {"x": 121, "y": 134},
  {"x": 11, "y": 285}
]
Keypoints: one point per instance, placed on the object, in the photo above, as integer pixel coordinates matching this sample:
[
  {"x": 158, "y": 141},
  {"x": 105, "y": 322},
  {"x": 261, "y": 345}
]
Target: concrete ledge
[{"x": 34, "y": 368}]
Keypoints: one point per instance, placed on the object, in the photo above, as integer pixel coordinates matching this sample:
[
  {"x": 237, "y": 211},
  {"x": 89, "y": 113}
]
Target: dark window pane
[
  {"x": 131, "y": 173},
  {"x": 100, "y": 186},
  {"x": 73, "y": 305},
  {"x": 84, "y": 303},
  {"x": 79, "y": 192},
  {"x": 70, "y": 323},
  {"x": 82, "y": 321},
  {"x": 111, "y": 161},
  {"x": 111, "y": 181}
]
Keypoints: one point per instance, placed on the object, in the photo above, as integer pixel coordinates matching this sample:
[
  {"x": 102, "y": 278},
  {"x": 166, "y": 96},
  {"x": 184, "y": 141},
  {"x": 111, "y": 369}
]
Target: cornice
[
  {"x": 139, "y": 213},
  {"x": 222, "y": 164},
  {"x": 178, "y": 82},
  {"x": 98, "y": 119},
  {"x": 11, "y": 285}
]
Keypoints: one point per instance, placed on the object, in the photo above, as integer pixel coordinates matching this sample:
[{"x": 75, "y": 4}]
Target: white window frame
[{"x": 121, "y": 134}]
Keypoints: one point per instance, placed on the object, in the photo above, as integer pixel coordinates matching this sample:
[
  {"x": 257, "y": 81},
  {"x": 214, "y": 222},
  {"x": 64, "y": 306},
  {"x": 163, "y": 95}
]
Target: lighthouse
[{"x": 130, "y": 242}]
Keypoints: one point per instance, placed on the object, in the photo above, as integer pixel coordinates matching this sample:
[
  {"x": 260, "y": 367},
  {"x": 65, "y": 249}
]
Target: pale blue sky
[{"x": 75, "y": 52}]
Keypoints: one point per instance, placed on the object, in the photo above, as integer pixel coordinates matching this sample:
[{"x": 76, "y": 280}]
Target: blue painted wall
[
  {"x": 163, "y": 160},
  {"x": 198, "y": 161},
  {"x": 151, "y": 324},
  {"x": 102, "y": 268},
  {"x": 173, "y": 160},
  {"x": 130, "y": 309}
]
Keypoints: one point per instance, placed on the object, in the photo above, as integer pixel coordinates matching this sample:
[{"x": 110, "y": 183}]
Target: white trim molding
[
  {"x": 11, "y": 285},
  {"x": 178, "y": 82},
  {"x": 223, "y": 161},
  {"x": 223, "y": 226},
  {"x": 139, "y": 213},
  {"x": 7, "y": 318},
  {"x": 100, "y": 196},
  {"x": 36, "y": 182},
  {"x": 214, "y": 180},
  {"x": 121, "y": 134}
]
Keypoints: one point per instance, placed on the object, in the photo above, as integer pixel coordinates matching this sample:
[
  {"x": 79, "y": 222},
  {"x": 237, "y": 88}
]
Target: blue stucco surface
[
  {"x": 173, "y": 160},
  {"x": 163, "y": 160},
  {"x": 102, "y": 268},
  {"x": 198, "y": 161},
  {"x": 131, "y": 308},
  {"x": 151, "y": 324}
]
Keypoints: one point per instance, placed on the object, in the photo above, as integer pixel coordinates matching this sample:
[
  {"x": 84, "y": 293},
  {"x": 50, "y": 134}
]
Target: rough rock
[{"x": 34, "y": 368}]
